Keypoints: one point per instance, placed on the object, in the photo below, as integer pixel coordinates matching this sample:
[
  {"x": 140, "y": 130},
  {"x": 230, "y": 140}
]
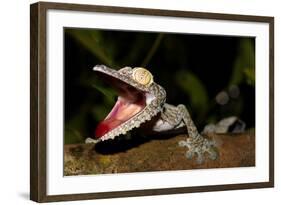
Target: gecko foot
[{"x": 198, "y": 146}]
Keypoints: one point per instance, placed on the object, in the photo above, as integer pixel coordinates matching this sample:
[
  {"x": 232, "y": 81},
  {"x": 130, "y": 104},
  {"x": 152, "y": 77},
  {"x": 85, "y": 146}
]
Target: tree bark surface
[{"x": 235, "y": 150}]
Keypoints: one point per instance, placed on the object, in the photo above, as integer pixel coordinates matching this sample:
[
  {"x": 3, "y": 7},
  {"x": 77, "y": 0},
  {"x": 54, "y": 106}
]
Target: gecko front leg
[{"x": 196, "y": 144}]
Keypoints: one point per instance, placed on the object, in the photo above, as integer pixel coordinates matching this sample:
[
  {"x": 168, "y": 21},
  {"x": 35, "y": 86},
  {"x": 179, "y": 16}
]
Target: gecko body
[{"x": 141, "y": 104}]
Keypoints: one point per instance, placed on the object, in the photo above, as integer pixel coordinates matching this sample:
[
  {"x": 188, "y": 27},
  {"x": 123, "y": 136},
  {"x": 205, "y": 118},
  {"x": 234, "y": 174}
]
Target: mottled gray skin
[{"x": 160, "y": 116}]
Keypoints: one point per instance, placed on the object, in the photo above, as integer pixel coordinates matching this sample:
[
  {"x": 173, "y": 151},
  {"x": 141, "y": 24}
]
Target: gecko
[{"x": 141, "y": 104}]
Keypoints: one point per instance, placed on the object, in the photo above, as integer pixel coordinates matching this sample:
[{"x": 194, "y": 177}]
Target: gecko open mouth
[
  {"x": 130, "y": 102},
  {"x": 136, "y": 102}
]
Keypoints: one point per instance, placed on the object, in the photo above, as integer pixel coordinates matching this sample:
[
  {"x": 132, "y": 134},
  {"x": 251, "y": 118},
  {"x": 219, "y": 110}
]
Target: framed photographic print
[{"x": 133, "y": 102}]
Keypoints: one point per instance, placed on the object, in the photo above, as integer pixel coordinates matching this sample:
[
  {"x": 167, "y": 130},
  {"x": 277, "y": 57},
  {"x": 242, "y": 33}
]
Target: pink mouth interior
[{"x": 130, "y": 102}]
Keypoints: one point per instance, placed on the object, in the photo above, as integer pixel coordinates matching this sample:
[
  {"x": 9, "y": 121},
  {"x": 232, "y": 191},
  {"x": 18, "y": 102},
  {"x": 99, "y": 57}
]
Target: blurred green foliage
[
  {"x": 244, "y": 66},
  {"x": 95, "y": 43},
  {"x": 194, "y": 70},
  {"x": 197, "y": 92}
]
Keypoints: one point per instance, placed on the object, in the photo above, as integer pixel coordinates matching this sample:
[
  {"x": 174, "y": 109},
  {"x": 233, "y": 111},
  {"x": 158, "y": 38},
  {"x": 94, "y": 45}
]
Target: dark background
[{"x": 214, "y": 76}]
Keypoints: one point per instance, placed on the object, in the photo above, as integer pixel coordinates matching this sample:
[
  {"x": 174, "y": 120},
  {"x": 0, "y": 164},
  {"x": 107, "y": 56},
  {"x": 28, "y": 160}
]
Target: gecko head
[{"x": 139, "y": 99}]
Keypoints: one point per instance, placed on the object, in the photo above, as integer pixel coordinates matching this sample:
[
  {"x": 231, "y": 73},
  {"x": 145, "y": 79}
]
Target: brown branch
[{"x": 155, "y": 155}]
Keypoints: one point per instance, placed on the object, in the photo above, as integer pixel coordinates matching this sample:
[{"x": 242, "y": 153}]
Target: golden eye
[{"x": 142, "y": 76}]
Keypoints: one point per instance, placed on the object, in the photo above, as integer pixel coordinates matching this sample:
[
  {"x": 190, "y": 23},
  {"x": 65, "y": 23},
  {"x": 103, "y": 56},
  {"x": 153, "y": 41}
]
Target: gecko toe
[
  {"x": 200, "y": 158},
  {"x": 183, "y": 143},
  {"x": 213, "y": 155},
  {"x": 189, "y": 154}
]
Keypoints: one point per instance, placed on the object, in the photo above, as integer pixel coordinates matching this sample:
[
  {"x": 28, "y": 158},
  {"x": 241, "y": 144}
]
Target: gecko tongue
[{"x": 122, "y": 111}]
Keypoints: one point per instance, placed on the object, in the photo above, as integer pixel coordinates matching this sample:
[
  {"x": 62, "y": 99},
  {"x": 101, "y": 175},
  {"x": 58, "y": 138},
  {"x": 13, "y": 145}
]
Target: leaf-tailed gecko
[{"x": 142, "y": 104}]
